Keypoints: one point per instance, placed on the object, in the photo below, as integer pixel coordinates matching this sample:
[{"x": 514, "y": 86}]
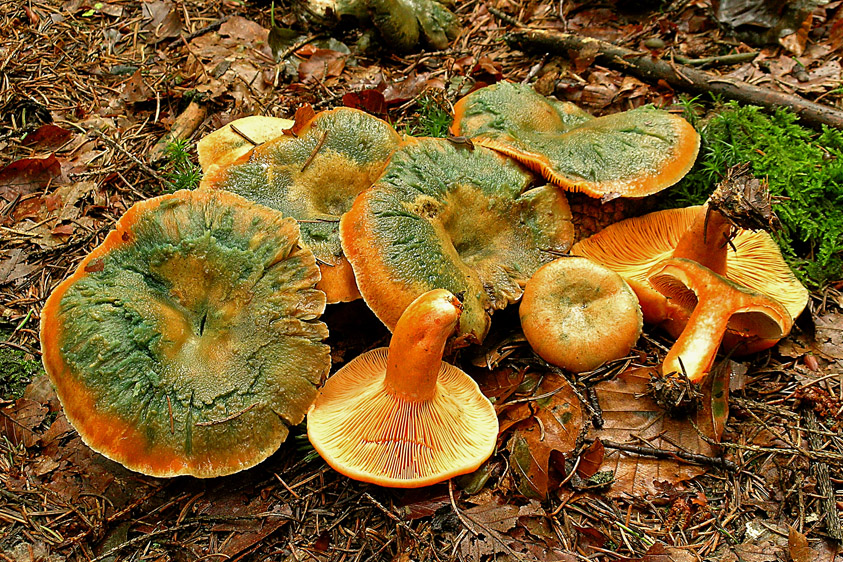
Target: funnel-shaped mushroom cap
[
  {"x": 235, "y": 140},
  {"x": 401, "y": 417},
  {"x": 314, "y": 179},
  {"x": 187, "y": 342},
  {"x": 717, "y": 304},
  {"x": 446, "y": 216},
  {"x": 577, "y": 314},
  {"x": 629, "y": 154},
  {"x": 633, "y": 246}
]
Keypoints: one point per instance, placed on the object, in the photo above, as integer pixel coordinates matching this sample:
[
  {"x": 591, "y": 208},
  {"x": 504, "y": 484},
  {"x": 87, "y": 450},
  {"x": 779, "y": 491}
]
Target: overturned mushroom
[
  {"x": 401, "y": 417},
  {"x": 314, "y": 178},
  {"x": 751, "y": 259},
  {"x": 629, "y": 154},
  {"x": 717, "y": 303},
  {"x": 577, "y": 314},
  {"x": 447, "y": 216},
  {"x": 188, "y": 341}
]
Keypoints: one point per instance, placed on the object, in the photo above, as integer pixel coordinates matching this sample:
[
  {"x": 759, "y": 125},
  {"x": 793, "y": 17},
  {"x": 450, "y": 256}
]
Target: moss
[
  {"x": 16, "y": 371},
  {"x": 805, "y": 172}
]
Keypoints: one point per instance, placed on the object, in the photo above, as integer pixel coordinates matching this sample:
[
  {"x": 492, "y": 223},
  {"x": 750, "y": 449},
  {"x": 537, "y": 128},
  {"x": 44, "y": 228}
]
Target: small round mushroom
[
  {"x": 400, "y": 416},
  {"x": 629, "y": 154},
  {"x": 577, "y": 314},
  {"x": 446, "y": 216},
  {"x": 314, "y": 178},
  {"x": 188, "y": 341},
  {"x": 717, "y": 304}
]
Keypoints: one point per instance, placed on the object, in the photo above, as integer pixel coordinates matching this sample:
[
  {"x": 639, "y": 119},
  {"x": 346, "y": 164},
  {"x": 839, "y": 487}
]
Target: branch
[{"x": 679, "y": 76}]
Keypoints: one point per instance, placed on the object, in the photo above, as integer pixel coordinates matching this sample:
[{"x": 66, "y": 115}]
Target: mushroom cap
[
  {"x": 634, "y": 246},
  {"x": 364, "y": 432},
  {"x": 188, "y": 341},
  {"x": 629, "y": 154},
  {"x": 314, "y": 179},
  {"x": 578, "y": 314},
  {"x": 446, "y": 216},
  {"x": 224, "y": 146}
]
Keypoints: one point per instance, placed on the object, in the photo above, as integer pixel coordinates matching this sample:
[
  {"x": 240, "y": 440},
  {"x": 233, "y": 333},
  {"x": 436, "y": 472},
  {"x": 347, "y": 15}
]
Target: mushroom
[
  {"x": 314, "y": 179},
  {"x": 629, "y": 154},
  {"x": 232, "y": 142},
  {"x": 751, "y": 259},
  {"x": 577, "y": 314},
  {"x": 400, "y": 416},
  {"x": 446, "y": 216},
  {"x": 717, "y": 303},
  {"x": 188, "y": 341}
]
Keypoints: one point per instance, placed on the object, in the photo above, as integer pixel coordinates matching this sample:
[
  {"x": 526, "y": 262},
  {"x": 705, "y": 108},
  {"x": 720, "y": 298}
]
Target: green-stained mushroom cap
[
  {"x": 629, "y": 154},
  {"x": 314, "y": 178},
  {"x": 445, "y": 216},
  {"x": 188, "y": 341}
]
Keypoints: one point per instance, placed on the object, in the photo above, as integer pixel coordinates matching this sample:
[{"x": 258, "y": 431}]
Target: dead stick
[
  {"x": 826, "y": 490},
  {"x": 679, "y": 76},
  {"x": 665, "y": 454},
  {"x": 184, "y": 126}
]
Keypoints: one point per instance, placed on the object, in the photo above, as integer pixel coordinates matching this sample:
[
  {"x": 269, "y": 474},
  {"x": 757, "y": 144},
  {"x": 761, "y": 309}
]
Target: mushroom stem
[
  {"x": 695, "y": 350},
  {"x": 418, "y": 342},
  {"x": 707, "y": 241}
]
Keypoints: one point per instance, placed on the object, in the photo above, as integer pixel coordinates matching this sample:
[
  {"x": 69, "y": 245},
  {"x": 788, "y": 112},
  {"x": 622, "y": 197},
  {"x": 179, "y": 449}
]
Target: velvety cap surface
[
  {"x": 188, "y": 341},
  {"x": 315, "y": 177},
  {"x": 445, "y": 216}
]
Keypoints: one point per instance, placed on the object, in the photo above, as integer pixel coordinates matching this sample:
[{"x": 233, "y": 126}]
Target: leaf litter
[{"x": 126, "y": 72}]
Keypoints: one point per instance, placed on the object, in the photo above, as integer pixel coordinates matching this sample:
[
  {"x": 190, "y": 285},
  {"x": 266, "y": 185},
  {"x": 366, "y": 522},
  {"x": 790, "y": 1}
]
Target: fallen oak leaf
[
  {"x": 302, "y": 117},
  {"x": 28, "y": 175}
]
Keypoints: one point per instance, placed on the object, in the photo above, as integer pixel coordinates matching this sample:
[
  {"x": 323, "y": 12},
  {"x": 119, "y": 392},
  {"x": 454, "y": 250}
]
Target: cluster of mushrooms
[{"x": 190, "y": 340}]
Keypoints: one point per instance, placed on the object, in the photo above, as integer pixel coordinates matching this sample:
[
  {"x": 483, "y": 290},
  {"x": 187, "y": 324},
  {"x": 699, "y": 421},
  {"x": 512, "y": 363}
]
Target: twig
[
  {"x": 647, "y": 67},
  {"x": 504, "y": 16},
  {"x": 315, "y": 150},
  {"x": 826, "y": 490},
  {"x": 722, "y": 59},
  {"x": 142, "y": 538},
  {"x": 392, "y": 516},
  {"x": 464, "y": 519},
  {"x": 141, "y": 164},
  {"x": 227, "y": 419},
  {"x": 665, "y": 454}
]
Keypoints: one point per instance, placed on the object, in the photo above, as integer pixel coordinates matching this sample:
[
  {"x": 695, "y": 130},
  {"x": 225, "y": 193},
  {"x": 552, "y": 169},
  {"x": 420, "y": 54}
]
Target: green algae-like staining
[
  {"x": 446, "y": 216},
  {"x": 195, "y": 330},
  {"x": 629, "y": 154},
  {"x": 315, "y": 176}
]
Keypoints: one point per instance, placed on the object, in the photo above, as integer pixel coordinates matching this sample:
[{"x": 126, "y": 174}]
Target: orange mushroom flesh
[
  {"x": 447, "y": 216},
  {"x": 717, "y": 304},
  {"x": 314, "y": 178},
  {"x": 629, "y": 154},
  {"x": 633, "y": 246},
  {"x": 400, "y": 416},
  {"x": 188, "y": 342},
  {"x": 577, "y": 314}
]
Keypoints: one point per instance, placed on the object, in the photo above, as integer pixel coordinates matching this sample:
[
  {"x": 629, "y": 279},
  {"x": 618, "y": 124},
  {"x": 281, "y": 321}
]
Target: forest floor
[{"x": 92, "y": 93}]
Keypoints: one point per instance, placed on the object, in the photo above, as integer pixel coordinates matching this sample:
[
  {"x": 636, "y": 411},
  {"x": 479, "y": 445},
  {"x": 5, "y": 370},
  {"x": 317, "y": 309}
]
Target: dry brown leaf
[
  {"x": 828, "y": 338},
  {"x": 498, "y": 385},
  {"x": 797, "y": 547},
  {"x": 322, "y": 64},
  {"x": 664, "y": 553},
  {"x": 632, "y": 417},
  {"x": 47, "y": 137},
  {"x": 28, "y": 175},
  {"x": 162, "y": 19},
  {"x": 135, "y": 89},
  {"x": 18, "y": 421},
  {"x": 591, "y": 459},
  {"x": 555, "y": 424}
]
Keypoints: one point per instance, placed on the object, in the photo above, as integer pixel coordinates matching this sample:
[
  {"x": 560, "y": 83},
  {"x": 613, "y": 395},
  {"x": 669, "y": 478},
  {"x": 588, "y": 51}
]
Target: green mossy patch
[
  {"x": 805, "y": 172},
  {"x": 16, "y": 371}
]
